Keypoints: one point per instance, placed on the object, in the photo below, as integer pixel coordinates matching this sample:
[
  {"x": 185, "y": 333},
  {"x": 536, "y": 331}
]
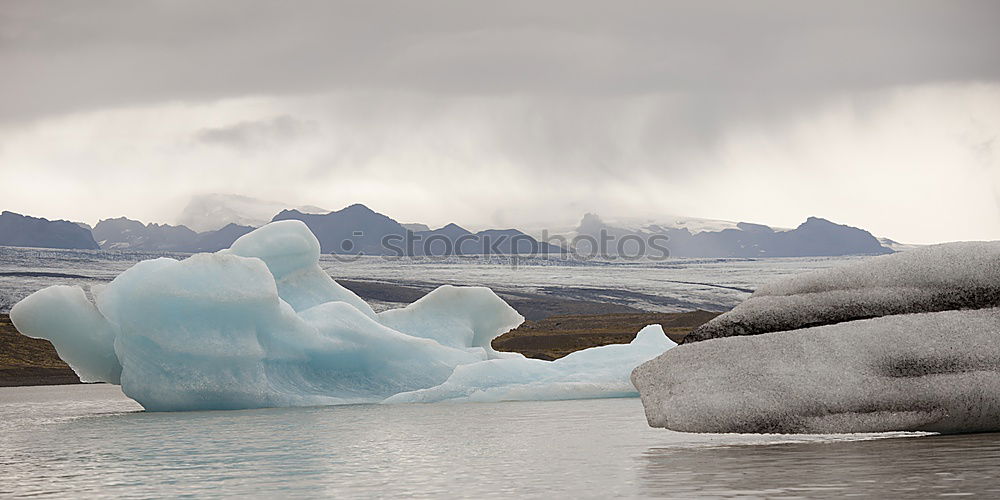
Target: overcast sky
[{"x": 882, "y": 115}]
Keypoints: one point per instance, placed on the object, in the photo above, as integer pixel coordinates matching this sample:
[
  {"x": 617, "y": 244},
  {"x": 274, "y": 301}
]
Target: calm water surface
[{"x": 73, "y": 441}]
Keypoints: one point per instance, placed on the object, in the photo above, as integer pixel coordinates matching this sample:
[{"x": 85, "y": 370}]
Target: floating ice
[
  {"x": 590, "y": 373},
  {"x": 937, "y": 372},
  {"x": 80, "y": 334},
  {"x": 799, "y": 355},
  {"x": 936, "y": 278},
  {"x": 261, "y": 325},
  {"x": 292, "y": 257}
]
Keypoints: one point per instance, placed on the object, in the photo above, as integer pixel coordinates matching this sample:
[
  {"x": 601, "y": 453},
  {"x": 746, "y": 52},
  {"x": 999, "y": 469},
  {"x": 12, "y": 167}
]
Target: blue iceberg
[{"x": 262, "y": 325}]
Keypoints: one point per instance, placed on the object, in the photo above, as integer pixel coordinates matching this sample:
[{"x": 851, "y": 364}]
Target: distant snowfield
[
  {"x": 209, "y": 212},
  {"x": 673, "y": 285},
  {"x": 693, "y": 224}
]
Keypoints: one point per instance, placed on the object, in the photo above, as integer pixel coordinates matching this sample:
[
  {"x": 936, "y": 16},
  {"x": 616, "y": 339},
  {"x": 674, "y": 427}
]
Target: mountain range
[
  {"x": 358, "y": 229},
  {"x": 813, "y": 238},
  {"x": 123, "y": 233},
  {"x": 18, "y": 230}
]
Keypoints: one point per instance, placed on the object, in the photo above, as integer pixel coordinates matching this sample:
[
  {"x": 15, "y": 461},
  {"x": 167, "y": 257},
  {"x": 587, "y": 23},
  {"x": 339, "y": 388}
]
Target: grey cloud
[
  {"x": 62, "y": 57},
  {"x": 536, "y": 107},
  {"x": 250, "y": 134}
]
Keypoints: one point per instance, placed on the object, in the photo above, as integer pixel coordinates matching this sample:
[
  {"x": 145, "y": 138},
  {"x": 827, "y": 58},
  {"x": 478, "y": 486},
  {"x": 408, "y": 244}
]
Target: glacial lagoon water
[{"x": 89, "y": 440}]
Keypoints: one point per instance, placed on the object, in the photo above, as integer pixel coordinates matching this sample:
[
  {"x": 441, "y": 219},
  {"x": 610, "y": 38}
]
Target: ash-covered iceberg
[
  {"x": 262, "y": 325},
  {"x": 963, "y": 275},
  {"x": 902, "y": 342}
]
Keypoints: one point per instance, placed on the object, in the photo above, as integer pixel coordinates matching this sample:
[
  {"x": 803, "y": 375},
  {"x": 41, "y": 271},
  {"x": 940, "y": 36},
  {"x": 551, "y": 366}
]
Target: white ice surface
[{"x": 261, "y": 325}]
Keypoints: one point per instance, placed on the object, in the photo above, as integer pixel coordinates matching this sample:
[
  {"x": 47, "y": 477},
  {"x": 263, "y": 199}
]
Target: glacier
[
  {"x": 262, "y": 325},
  {"x": 905, "y": 342}
]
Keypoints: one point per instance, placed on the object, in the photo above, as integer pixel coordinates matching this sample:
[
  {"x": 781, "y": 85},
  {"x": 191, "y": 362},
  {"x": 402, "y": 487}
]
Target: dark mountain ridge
[
  {"x": 815, "y": 237},
  {"x": 18, "y": 230},
  {"x": 357, "y": 229},
  {"x": 124, "y": 233}
]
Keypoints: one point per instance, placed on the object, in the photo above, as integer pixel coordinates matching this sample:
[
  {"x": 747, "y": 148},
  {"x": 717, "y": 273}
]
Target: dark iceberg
[{"x": 906, "y": 342}]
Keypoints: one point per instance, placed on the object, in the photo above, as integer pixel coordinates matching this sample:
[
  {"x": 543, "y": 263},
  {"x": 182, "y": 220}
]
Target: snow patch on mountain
[{"x": 209, "y": 212}]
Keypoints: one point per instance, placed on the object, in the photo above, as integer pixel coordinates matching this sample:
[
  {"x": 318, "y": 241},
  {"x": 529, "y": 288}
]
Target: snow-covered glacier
[
  {"x": 262, "y": 325},
  {"x": 905, "y": 342}
]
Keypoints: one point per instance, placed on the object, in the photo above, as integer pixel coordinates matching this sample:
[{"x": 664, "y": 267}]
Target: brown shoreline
[
  {"x": 556, "y": 336},
  {"x": 28, "y": 361},
  {"x": 554, "y": 328}
]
